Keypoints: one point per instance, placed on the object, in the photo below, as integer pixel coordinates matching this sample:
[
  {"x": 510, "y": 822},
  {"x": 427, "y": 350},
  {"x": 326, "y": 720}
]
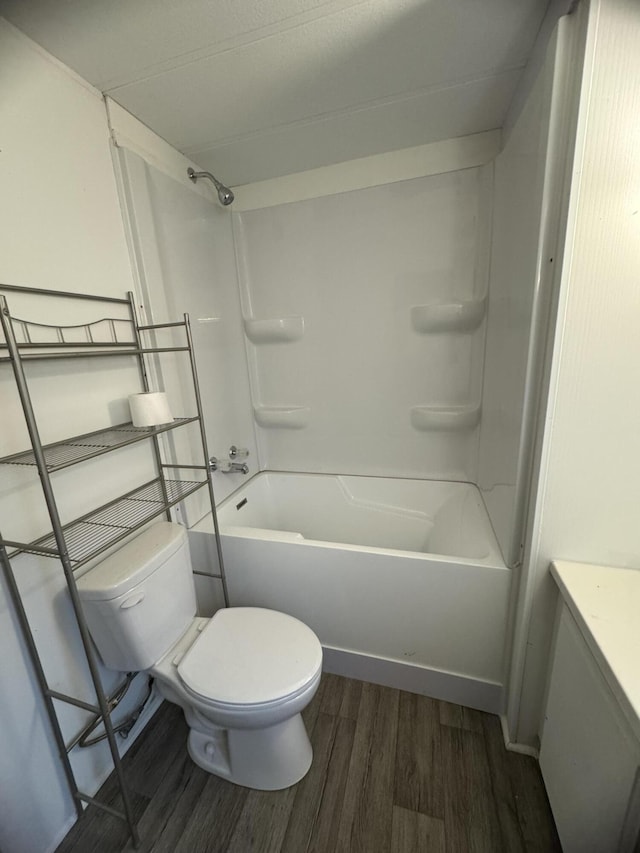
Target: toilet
[{"x": 241, "y": 677}]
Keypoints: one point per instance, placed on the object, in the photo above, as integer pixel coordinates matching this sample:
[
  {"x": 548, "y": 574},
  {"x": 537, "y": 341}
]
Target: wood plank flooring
[{"x": 392, "y": 773}]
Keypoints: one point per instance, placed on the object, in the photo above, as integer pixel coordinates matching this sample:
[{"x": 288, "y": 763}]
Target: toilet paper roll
[{"x": 150, "y": 409}]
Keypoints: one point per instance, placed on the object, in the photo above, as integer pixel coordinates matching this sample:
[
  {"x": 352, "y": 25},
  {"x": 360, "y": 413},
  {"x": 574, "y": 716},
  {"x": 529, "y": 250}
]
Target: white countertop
[{"x": 605, "y": 603}]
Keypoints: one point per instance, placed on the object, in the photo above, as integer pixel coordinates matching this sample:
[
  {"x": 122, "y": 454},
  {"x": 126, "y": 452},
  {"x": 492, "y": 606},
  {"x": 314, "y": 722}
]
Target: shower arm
[{"x": 224, "y": 193}]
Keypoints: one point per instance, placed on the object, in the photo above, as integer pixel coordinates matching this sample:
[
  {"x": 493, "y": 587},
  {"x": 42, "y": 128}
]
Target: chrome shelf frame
[
  {"x": 62, "y": 454},
  {"x": 77, "y": 542},
  {"x": 89, "y": 351},
  {"x": 91, "y": 534}
]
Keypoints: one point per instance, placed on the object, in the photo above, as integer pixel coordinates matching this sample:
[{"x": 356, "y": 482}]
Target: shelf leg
[
  {"x": 145, "y": 384},
  {"x": 38, "y": 670},
  {"x": 47, "y": 488},
  {"x": 205, "y": 450}
]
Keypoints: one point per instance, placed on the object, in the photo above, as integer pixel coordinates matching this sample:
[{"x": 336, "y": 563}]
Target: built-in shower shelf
[
  {"x": 445, "y": 418},
  {"x": 462, "y": 316},
  {"x": 274, "y": 330},
  {"x": 282, "y": 417}
]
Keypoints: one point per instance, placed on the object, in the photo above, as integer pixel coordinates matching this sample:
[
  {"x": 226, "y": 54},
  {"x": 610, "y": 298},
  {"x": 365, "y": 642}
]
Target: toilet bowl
[
  {"x": 243, "y": 705},
  {"x": 241, "y": 677}
]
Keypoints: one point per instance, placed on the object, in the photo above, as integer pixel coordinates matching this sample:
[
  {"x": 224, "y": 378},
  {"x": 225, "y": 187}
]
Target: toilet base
[{"x": 265, "y": 759}]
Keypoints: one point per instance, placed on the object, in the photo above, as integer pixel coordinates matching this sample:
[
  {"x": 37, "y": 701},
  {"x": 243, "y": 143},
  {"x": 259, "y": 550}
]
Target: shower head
[{"x": 224, "y": 193}]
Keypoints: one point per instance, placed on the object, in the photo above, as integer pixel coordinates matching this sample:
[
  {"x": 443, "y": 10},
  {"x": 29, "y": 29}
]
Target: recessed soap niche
[
  {"x": 445, "y": 418},
  {"x": 274, "y": 330},
  {"x": 447, "y": 319},
  {"x": 282, "y": 417},
  {"x": 438, "y": 318},
  {"x": 264, "y": 331}
]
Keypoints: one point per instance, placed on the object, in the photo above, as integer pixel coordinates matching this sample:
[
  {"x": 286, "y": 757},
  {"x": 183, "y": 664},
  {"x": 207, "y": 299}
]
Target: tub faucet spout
[{"x": 234, "y": 468}]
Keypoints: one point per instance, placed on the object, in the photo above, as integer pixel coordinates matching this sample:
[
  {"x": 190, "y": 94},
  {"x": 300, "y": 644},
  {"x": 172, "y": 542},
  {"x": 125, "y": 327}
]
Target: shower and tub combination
[
  {"x": 402, "y": 580},
  {"x": 378, "y": 352}
]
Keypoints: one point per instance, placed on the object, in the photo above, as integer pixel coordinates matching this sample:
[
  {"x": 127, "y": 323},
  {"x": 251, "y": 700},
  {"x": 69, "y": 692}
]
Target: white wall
[
  {"x": 336, "y": 295},
  {"x": 589, "y": 495},
  {"x": 527, "y": 202},
  {"x": 60, "y": 228},
  {"x": 183, "y": 246}
]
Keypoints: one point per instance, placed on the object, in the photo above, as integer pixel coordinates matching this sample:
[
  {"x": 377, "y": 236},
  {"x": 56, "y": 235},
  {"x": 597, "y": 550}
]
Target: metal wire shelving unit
[{"x": 81, "y": 540}]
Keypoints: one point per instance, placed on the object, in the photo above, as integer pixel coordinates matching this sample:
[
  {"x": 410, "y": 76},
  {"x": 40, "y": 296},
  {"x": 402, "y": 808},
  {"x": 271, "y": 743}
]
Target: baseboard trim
[
  {"x": 62, "y": 833},
  {"x": 439, "y": 684},
  {"x": 513, "y": 746}
]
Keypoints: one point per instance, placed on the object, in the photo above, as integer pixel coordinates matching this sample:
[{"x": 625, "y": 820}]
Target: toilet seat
[
  {"x": 249, "y": 656},
  {"x": 245, "y": 710}
]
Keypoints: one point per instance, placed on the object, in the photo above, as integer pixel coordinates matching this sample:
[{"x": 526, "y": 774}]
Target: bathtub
[{"x": 402, "y": 580}]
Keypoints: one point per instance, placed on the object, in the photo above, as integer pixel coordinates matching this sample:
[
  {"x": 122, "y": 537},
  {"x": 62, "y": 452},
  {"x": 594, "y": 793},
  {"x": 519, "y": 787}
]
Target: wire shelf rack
[
  {"x": 80, "y": 541},
  {"x": 107, "y": 331},
  {"x": 90, "y": 535},
  {"x": 62, "y": 454}
]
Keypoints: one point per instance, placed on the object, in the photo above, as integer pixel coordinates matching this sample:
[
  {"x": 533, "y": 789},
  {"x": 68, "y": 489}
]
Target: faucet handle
[
  {"x": 222, "y": 465},
  {"x": 236, "y": 453}
]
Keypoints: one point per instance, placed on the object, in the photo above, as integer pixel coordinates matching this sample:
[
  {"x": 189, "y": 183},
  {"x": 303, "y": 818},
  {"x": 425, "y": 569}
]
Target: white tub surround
[
  {"x": 527, "y": 200},
  {"x": 184, "y": 258},
  {"x": 364, "y": 319},
  {"x": 590, "y": 752},
  {"x": 402, "y": 580}
]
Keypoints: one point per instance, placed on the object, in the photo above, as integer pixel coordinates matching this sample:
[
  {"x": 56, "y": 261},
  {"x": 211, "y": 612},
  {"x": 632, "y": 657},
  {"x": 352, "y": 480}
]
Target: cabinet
[
  {"x": 109, "y": 329},
  {"x": 589, "y": 755}
]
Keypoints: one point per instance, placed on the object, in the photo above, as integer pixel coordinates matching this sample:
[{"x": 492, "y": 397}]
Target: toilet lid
[{"x": 249, "y": 655}]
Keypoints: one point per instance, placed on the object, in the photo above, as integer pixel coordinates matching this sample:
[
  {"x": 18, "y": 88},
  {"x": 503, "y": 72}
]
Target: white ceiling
[{"x": 252, "y": 89}]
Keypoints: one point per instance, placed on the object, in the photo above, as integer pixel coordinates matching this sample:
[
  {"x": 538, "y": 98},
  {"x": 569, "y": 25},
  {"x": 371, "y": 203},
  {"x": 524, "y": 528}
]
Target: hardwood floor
[{"x": 392, "y": 773}]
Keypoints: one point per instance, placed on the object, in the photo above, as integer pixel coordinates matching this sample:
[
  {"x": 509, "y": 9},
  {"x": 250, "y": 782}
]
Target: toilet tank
[{"x": 141, "y": 599}]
